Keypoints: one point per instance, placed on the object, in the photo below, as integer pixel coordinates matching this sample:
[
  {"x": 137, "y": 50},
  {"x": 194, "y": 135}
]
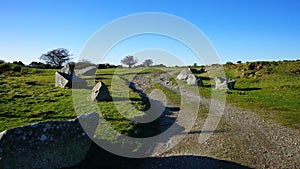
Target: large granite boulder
[
  {"x": 100, "y": 92},
  {"x": 66, "y": 78},
  {"x": 224, "y": 83},
  {"x": 53, "y": 144},
  {"x": 183, "y": 75},
  {"x": 88, "y": 71},
  {"x": 194, "y": 80}
]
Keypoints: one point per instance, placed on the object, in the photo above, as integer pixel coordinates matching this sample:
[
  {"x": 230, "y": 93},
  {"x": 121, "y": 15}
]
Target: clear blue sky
[{"x": 246, "y": 30}]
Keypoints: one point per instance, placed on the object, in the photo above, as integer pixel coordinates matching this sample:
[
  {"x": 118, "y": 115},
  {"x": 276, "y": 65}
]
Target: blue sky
[{"x": 245, "y": 30}]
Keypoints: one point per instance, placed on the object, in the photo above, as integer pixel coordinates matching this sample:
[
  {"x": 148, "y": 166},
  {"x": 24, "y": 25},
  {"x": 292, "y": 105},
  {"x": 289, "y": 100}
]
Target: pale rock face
[
  {"x": 194, "y": 80},
  {"x": 183, "y": 75},
  {"x": 53, "y": 144},
  {"x": 100, "y": 92},
  {"x": 66, "y": 78},
  {"x": 224, "y": 83}
]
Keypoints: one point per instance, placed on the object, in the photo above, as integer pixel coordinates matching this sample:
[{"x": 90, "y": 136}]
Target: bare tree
[
  {"x": 129, "y": 60},
  {"x": 147, "y": 62},
  {"x": 56, "y": 57}
]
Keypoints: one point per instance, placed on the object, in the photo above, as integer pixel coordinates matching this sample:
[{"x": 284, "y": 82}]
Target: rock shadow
[
  {"x": 98, "y": 158},
  {"x": 247, "y": 89}
]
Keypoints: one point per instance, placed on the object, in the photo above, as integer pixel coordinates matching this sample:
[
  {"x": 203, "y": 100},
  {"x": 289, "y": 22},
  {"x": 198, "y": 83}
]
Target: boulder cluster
[
  {"x": 191, "y": 79},
  {"x": 66, "y": 78}
]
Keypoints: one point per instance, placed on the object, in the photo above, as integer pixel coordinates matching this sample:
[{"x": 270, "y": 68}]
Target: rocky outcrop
[
  {"x": 100, "y": 92},
  {"x": 194, "y": 80},
  {"x": 66, "y": 78},
  {"x": 224, "y": 83},
  {"x": 183, "y": 75},
  {"x": 53, "y": 144},
  {"x": 88, "y": 71}
]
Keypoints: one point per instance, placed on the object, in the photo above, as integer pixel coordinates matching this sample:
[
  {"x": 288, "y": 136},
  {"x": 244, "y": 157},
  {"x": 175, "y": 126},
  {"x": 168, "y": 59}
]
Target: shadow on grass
[
  {"x": 205, "y": 131},
  {"x": 206, "y": 78},
  {"x": 98, "y": 158},
  {"x": 247, "y": 89},
  {"x": 125, "y": 99}
]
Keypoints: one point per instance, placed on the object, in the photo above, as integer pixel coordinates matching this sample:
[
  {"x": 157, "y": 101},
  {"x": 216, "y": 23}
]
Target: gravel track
[{"x": 242, "y": 139}]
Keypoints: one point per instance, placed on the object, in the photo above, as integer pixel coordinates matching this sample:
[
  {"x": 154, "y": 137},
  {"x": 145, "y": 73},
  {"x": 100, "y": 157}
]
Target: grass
[
  {"x": 28, "y": 95},
  {"x": 273, "y": 91},
  {"x": 32, "y": 97}
]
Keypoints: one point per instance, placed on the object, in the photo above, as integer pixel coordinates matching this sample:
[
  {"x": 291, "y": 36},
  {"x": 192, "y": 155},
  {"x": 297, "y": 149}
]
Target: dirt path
[{"x": 241, "y": 137}]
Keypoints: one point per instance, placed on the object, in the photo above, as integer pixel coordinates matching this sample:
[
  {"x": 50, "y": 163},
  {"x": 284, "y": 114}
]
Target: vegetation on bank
[{"x": 271, "y": 89}]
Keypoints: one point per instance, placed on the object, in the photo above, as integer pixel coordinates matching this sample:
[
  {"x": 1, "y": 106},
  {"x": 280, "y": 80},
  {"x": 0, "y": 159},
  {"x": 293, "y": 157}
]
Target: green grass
[
  {"x": 273, "y": 91},
  {"x": 32, "y": 97},
  {"x": 29, "y": 95}
]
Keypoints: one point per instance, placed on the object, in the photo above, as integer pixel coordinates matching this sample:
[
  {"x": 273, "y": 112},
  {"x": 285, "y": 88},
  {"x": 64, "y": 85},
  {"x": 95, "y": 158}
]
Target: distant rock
[
  {"x": 100, "y": 92},
  {"x": 66, "y": 78},
  {"x": 51, "y": 145},
  {"x": 183, "y": 75},
  {"x": 88, "y": 71},
  {"x": 68, "y": 69},
  {"x": 194, "y": 80},
  {"x": 224, "y": 83},
  {"x": 195, "y": 71}
]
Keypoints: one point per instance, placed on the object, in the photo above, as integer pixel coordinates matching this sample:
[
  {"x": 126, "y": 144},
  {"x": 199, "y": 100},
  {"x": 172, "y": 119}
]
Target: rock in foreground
[{"x": 53, "y": 144}]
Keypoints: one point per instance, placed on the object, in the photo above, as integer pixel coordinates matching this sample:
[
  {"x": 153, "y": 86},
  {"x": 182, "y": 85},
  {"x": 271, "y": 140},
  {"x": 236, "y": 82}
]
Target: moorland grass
[
  {"x": 28, "y": 95},
  {"x": 273, "y": 91}
]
